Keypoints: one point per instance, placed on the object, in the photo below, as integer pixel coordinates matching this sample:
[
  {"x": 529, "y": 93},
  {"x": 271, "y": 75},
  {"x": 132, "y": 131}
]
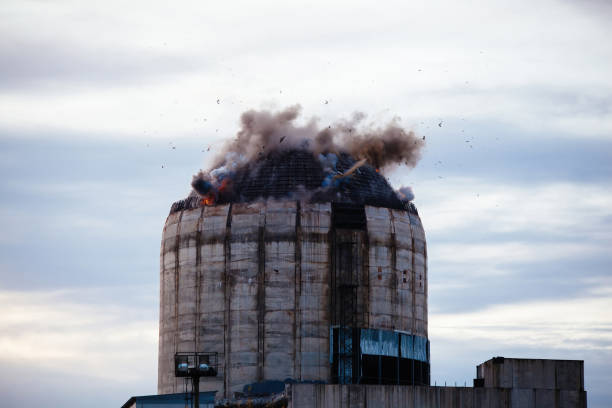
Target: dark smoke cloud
[{"x": 263, "y": 132}]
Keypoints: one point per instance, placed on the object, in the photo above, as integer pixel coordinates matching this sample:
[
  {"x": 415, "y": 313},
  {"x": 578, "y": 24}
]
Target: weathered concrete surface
[
  {"x": 252, "y": 282},
  {"x": 532, "y": 373},
  {"x": 397, "y": 271},
  {"x": 402, "y": 396}
]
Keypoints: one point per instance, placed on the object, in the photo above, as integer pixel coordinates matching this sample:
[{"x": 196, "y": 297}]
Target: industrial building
[
  {"x": 315, "y": 292},
  {"x": 500, "y": 383}
]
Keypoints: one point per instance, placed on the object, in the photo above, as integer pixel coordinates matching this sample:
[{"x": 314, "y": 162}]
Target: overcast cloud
[{"x": 107, "y": 109}]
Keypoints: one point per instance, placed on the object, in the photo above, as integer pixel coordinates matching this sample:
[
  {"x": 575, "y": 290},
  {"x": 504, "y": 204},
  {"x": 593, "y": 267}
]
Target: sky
[{"x": 108, "y": 108}]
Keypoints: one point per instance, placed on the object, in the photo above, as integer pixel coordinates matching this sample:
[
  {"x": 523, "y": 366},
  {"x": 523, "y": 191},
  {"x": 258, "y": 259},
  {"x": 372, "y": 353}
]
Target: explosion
[{"x": 263, "y": 133}]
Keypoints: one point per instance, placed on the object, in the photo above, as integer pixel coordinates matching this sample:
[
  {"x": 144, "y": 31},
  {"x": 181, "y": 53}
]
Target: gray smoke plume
[
  {"x": 405, "y": 193},
  {"x": 262, "y": 132}
]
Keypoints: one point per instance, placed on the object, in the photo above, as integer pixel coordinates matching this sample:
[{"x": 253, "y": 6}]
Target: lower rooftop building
[{"x": 500, "y": 383}]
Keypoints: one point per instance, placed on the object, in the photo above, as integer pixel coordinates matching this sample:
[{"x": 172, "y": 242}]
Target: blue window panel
[
  {"x": 389, "y": 343},
  {"x": 369, "y": 341},
  {"x": 345, "y": 371},
  {"x": 407, "y": 346},
  {"x": 415, "y": 347},
  {"x": 379, "y": 342},
  {"x": 420, "y": 348},
  {"x": 345, "y": 360}
]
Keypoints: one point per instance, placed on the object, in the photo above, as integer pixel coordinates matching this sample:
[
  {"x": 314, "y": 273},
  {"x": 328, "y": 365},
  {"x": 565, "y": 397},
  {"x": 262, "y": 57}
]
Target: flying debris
[
  {"x": 218, "y": 101},
  {"x": 350, "y": 171},
  {"x": 281, "y": 139},
  {"x": 440, "y": 124}
]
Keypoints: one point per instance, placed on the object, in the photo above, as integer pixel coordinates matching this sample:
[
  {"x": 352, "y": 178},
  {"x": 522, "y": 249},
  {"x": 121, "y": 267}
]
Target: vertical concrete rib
[
  {"x": 176, "y": 286},
  {"x": 420, "y": 272},
  {"x": 403, "y": 260},
  {"x": 227, "y": 344},
  {"x": 366, "y": 281},
  {"x": 280, "y": 287},
  {"x": 261, "y": 298},
  {"x": 198, "y": 270},
  {"x": 380, "y": 271},
  {"x": 394, "y": 278},
  {"x": 425, "y": 288},
  {"x": 211, "y": 329},
  {"x": 245, "y": 294},
  {"x": 162, "y": 315},
  {"x": 315, "y": 314},
  {"x": 167, "y": 334},
  {"x": 413, "y": 289},
  {"x": 297, "y": 315}
]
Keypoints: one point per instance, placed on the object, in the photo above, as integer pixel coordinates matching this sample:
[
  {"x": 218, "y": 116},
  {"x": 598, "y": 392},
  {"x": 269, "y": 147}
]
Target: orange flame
[{"x": 208, "y": 200}]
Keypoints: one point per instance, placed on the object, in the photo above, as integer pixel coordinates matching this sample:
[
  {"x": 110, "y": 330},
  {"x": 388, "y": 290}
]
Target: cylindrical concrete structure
[{"x": 294, "y": 289}]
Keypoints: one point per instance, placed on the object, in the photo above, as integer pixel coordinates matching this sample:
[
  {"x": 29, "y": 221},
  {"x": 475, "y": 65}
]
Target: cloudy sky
[{"x": 107, "y": 109}]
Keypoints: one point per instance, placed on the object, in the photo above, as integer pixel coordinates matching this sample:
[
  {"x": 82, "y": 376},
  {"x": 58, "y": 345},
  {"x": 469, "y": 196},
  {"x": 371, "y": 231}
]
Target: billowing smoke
[
  {"x": 264, "y": 132},
  {"x": 405, "y": 193}
]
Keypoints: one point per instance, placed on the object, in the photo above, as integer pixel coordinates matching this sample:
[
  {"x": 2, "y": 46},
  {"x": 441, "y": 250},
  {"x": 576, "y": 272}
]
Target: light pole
[{"x": 195, "y": 365}]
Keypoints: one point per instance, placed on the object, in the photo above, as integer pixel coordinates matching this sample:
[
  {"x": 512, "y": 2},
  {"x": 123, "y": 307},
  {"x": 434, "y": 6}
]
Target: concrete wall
[
  {"x": 252, "y": 283},
  {"x": 398, "y": 396},
  {"x": 532, "y": 373},
  {"x": 397, "y": 271}
]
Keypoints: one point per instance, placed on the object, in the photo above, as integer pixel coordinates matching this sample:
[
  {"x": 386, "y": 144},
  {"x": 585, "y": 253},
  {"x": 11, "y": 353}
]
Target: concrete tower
[{"x": 286, "y": 279}]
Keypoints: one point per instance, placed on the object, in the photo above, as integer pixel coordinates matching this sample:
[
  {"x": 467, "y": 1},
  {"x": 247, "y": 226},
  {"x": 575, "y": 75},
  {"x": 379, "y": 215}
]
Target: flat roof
[
  {"x": 529, "y": 359},
  {"x": 206, "y": 397}
]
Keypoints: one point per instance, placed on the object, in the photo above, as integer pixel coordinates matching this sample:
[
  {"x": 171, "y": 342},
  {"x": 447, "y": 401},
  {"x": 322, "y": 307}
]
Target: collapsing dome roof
[{"x": 302, "y": 175}]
